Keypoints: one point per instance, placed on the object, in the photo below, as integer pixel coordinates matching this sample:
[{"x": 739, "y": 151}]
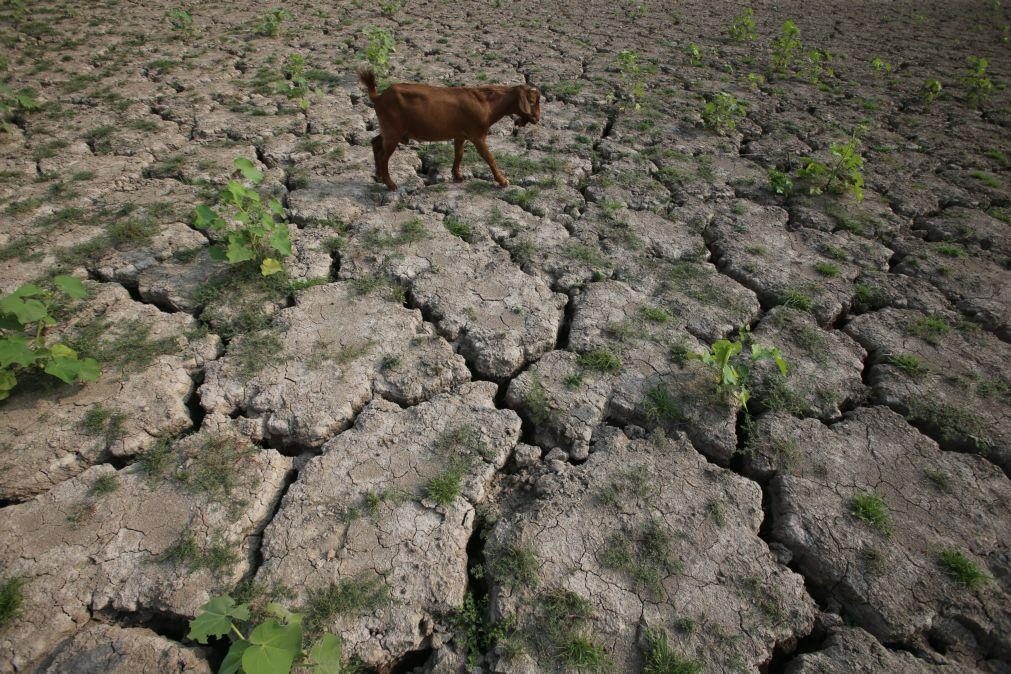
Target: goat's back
[{"x": 424, "y": 112}]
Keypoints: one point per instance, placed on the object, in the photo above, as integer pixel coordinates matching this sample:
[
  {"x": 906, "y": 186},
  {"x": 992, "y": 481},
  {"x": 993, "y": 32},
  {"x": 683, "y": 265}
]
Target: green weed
[
  {"x": 872, "y": 509},
  {"x": 962, "y": 569}
]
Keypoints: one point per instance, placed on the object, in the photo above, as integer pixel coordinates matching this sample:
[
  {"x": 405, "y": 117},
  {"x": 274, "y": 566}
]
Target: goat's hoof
[
  {"x": 457, "y": 179},
  {"x": 504, "y": 182}
]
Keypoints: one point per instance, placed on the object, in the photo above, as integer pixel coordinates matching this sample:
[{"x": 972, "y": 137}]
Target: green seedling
[
  {"x": 785, "y": 47},
  {"x": 255, "y": 235},
  {"x": 881, "y": 67},
  {"x": 780, "y": 183},
  {"x": 979, "y": 88},
  {"x": 633, "y": 88},
  {"x": 817, "y": 65},
  {"x": 743, "y": 28},
  {"x": 930, "y": 90},
  {"x": 14, "y": 105},
  {"x": 377, "y": 52},
  {"x": 269, "y": 24},
  {"x": 24, "y": 319},
  {"x": 727, "y": 358},
  {"x": 720, "y": 112},
  {"x": 841, "y": 176},
  {"x": 273, "y": 646},
  {"x": 295, "y": 85},
  {"x": 181, "y": 21},
  {"x": 694, "y": 54}
]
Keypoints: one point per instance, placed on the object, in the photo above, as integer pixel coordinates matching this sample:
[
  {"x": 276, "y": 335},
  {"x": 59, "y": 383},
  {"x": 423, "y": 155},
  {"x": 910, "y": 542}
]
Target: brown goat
[{"x": 422, "y": 112}]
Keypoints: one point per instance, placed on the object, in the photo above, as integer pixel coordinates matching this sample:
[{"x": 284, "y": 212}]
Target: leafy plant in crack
[
  {"x": 633, "y": 87},
  {"x": 273, "y": 646},
  {"x": 269, "y": 24},
  {"x": 296, "y": 85},
  {"x": 880, "y": 66},
  {"x": 14, "y": 105},
  {"x": 979, "y": 88},
  {"x": 559, "y": 631},
  {"x": 732, "y": 366},
  {"x": 840, "y": 176},
  {"x": 181, "y": 21},
  {"x": 694, "y": 54},
  {"x": 24, "y": 319},
  {"x": 780, "y": 183},
  {"x": 477, "y": 634},
  {"x": 743, "y": 27},
  {"x": 720, "y": 112},
  {"x": 930, "y": 90},
  {"x": 785, "y": 47},
  {"x": 251, "y": 231},
  {"x": 377, "y": 52}
]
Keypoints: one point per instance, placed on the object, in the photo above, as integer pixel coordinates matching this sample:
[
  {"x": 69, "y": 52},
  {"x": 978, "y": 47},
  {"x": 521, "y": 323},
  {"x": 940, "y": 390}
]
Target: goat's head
[{"x": 528, "y": 105}]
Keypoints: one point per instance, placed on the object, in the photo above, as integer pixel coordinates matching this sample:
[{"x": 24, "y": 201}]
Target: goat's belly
[{"x": 429, "y": 135}]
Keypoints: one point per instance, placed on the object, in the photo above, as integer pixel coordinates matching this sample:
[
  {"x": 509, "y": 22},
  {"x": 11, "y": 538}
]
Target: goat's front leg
[
  {"x": 482, "y": 148},
  {"x": 458, "y": 144}
]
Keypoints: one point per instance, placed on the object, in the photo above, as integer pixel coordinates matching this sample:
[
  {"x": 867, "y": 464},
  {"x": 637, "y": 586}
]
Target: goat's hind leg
[
  {"x": 458, "y": 144},
  {"x": 383, "y": 166},
  {"x": 377, "y": 150}
]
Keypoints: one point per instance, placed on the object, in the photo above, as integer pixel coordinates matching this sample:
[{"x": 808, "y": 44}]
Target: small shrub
[
  {"x": 780, "y": 183},
  {"x": 694, "y": 54},
  {"x": 26, "y": 311},
  {"x": 104, "y": 485},
  {"x": 909, "y": 364},
  {"x": 826, "y": 269},
  {"x": 743, "y": 28},
  {"x": 930, "y": 90},
  {"x": 181, "y": 21},
  {"x": 732, "y": 368},
  {"x": 444, "y": 488},
  {"x": 377, "y": 53},
  {"x": 872, "y": 509},
  {"x": 601, "y": 360},
  {"x": 962, "y": 569},
  {"x": 513, "y": 566},
  {"x": 843, "y": 175},
  {"x": 979, "y": 88},
  {"x": 784, "y": 47},
  {"x": 269, "y": 24},
  {"x": 11, "y": 598},
  {"x": 720, "y": 112},
  {"x": 880, "y": 66}
]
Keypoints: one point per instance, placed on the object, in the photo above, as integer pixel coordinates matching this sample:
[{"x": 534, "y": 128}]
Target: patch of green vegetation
[
  {"x": 796, "y": 298},
  {"x": 660, "y": 406},
  {"x": 352, "y": 596},
  {"x": 444, "y": 488},
  {"x": 600, "y": 360},
  {"x": 476, "y": 634},
  {"x": 873, "y": 560},
  {"x": 559, "y": 632},
  {"x": 645, "y": 555},
  {"x": 513, "y": 566},
  {"x": 953, "y": 424},
  {"x": 459, "y": 228},
  {"x": 130, "y": 347},
  {"x": 721, "y": 112},
  {"x": 654, "y": 314},
  {"x": 536, "y": 401},
  {"x": 870, "y": 297},
  {"x": 871, "y": 508},
  {"x": 827, "y": 269},
  {"x": 962, "y": 569},
  {"x": 908, "y": 363},
  {"x": 156, "y": 460},
  {"x": 929, "y": 328},
  {"x": 254, "y": 351},
  {"x": 104, "y": 484},
  {"x": 660, "y": 657},
  {"x": 634, "y": 483},
  {"x": 211, "y": 469},
  {"x": 939, "y": 479},
  {"x": 987, "y": 179},
  {"x": 588, "y": 255},
  {"x": 11, "y": 598},
  {"x": 524, "y": 198}
]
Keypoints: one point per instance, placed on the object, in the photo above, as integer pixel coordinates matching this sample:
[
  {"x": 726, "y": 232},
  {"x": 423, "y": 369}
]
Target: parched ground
[{"x": 463, "y": 429}]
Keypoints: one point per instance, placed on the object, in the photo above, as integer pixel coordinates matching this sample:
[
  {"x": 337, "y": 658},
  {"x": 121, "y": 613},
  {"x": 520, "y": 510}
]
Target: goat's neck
[{"x": 503, "y": 102}]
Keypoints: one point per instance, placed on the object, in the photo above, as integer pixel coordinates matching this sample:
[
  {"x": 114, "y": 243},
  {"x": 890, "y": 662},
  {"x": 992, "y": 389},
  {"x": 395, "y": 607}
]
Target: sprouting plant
[
  {"x": 871, "y": 508},
  {"x": 477, "y": 634},
  {"x": 784, "y": 47},
  {"x": 719, "y": 113},
  {"x": 694, "y": 54},
  {"x": 391, "y": 7},
  {"x": 26, "y": 311},
  {"x": 269, "y": 24},
  {"x": 931, "y": 90},
  {"x": 273, "y": 646},
  {"x": 662, "y": 658},
  {"x": 257, "y": 235},
  {"x": 181, "y": 20},
  {"x": 842, "y": 176},
  {"x": 743, "y": 28},
  {"x": 377, "y": 52},
  {"x": 961, "y": 568},
  {"x": 296, "y": 85},
  {"x": 631, "y": 77},
  {"x": 881, "y": 66},
  {"x": 979, "y": 87},
  {"x": 732, "y": 367},
  {"x": 756, "y": 80},
  {"x": 817, "y": 65},
  {"x": 780, "y": 183},
  {"x": 13, "y": 105}
]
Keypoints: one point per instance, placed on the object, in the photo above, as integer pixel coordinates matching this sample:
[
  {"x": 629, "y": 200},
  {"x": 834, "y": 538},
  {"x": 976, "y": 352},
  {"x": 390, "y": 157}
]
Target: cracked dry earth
[{"x": 281, "y": 438}]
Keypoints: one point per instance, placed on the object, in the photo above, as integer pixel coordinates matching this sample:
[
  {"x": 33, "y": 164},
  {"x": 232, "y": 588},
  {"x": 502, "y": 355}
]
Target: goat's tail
[{"x": 368, "y": 78}]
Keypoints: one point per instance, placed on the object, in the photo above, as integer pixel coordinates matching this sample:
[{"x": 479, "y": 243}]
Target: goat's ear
[{"x": 524, "y": 101}]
